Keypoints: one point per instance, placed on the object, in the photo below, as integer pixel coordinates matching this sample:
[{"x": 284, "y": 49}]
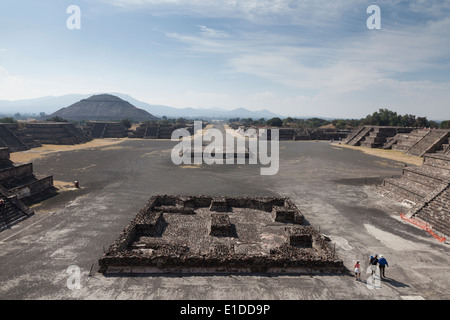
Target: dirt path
[
  {"x": 47, "y": 149},
  {"x": 387, "y": 154}
]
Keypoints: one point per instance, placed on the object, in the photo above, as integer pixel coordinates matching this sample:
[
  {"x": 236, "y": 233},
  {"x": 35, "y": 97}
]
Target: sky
[{"x": 292, "y": 57}]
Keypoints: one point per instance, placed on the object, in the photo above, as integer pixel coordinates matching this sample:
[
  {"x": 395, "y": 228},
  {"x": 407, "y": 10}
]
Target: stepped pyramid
[
  {"x": 103, "y": 107},
  {"x": 427, "y": 189},
  {"x": 19, "y": 187}
]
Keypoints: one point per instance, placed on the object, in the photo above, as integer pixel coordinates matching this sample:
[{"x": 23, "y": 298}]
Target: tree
[
  {"x": 433, "y": 124},
  {"x": 287, "y": 121},
  {"x": 181, "y": 121},
  {"x": 385, "y": 117},
  {"x": 57, "y": 119},
  {"x": 126, "y": 123},
  {"x": 421, "y": 122},
  {"x": 445, "y": 124},
  {"x": 7, "y": 120},
  {"x": 407, "y": 120},
  {"x": 316, "y": 122},
  {"x": 340, "y": 124},
  {"x": 275, "y": 122}
]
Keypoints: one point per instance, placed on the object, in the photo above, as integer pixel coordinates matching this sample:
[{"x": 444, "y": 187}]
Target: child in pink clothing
[{"x": 357, "y": 269}]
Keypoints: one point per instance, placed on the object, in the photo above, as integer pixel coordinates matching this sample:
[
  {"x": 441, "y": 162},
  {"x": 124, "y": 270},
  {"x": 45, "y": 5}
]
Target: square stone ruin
[{"x": 204, "y": 235}]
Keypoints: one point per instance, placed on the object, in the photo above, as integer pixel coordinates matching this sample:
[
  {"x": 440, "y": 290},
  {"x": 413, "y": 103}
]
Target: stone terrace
[
  {"x": 157, "y": 131},
  {"x": 425, "y": 188},
  {"x": 23, "y": 136},
  {"x": 100, "y": 130},
  {"x": 374, "y": 136},
  {"x": 422, "y": 141},
  {"x": 9, "y": 140},
  {"x": 13, "y": 210},
  {"x": 436, "y": 212},
  {"x": 19, "y": 180},
  {"x": 62, "y": 133},
  {"x": 219, "y": 235}
]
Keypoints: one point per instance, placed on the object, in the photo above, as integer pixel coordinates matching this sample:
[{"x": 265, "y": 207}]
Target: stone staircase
[
  {"x": 437, "y": 212},
  {"x": 10, "y": 140},
  {"x": 21, "y": 182},
  {"x": 431, "y": 142},
  {"x": 406, "y": 141},
  {"x": 356, "y": 136},
  {"x": 76, "y": 134},
  {"x": 445, "y": 147},
  {"x": 12, "y": 211},
  {"x": 426, "y": 188},
  {"x": 114, "y": 130},
  {"x": 100, "y": 130},
  {"x": 375, "y": 136},
  {"x": 378, "y": 137},
  {"x": 97, "y": 130}
]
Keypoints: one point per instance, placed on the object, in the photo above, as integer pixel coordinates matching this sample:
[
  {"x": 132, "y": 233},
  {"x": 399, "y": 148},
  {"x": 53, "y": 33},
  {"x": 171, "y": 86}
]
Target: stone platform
[
  {"x": 426, "y": 190},
  {"x": 203, "y": 234}
]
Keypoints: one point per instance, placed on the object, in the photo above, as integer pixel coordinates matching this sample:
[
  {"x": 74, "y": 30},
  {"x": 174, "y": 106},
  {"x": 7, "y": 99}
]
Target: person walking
[
  {"x": 357, "y": 269},
  {"x": 382, "y": 263},
  {"x": 373, "y": 263}
]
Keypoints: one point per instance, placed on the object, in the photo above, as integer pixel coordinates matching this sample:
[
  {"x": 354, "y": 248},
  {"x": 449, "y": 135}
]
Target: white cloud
[
  {"x": 299, "y": 12},
  {"x": 355, "y": 63},
  {"x": 12, "y": 86},
  {"x": 212, "y": 33}
]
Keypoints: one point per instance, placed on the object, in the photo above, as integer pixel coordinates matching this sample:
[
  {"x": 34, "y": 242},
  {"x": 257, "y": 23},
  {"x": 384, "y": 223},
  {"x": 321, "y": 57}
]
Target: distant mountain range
[{"x": 52, "y": 104}]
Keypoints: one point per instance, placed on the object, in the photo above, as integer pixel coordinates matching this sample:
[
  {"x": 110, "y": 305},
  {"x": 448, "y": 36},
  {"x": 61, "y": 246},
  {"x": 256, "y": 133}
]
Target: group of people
[{"x": 374, "y": 262}]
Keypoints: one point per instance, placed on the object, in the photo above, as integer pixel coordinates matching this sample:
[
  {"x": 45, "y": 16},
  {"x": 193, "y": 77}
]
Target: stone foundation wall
[
  {"x": 304, "y": 249},
  {"x": 19, "y": 172}
]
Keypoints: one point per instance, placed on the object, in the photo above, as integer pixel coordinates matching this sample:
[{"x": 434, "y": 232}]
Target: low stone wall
[{"x": 18, "y": 172}]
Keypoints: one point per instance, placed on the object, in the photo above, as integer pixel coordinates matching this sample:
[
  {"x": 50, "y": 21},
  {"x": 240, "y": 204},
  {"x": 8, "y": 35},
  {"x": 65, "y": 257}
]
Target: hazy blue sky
[{"x": 295, "y": 58}]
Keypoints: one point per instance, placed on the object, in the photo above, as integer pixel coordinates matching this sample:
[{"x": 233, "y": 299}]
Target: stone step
[
  {"x": 438, "y": 225},
  {"x": 429, "y": 143},
  {"x": 408, "y": 189},
  {"x": 10, "y": 214},
  {"x": 437, "y": 160},
  {"x": 426, "y": 175},
  {"x": 357, "y": 139}
]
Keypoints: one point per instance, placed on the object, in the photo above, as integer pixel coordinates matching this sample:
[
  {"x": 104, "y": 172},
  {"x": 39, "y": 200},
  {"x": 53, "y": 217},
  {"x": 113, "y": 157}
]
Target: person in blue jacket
[{"x": 382, "y": 263}]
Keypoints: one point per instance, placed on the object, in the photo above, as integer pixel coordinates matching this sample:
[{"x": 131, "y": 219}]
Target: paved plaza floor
[{"x": 334, "y": 188}]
